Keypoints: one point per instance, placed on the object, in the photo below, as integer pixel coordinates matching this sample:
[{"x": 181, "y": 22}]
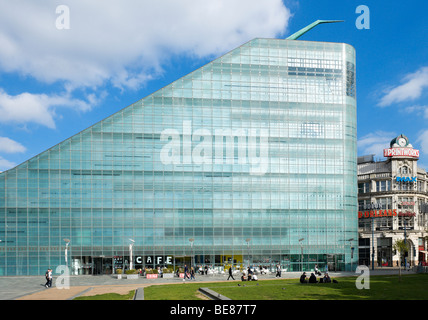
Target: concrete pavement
[{"x": 32, "y": 287}]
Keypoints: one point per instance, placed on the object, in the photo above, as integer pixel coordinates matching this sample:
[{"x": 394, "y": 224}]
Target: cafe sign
[{"x": 157, "y": 260}]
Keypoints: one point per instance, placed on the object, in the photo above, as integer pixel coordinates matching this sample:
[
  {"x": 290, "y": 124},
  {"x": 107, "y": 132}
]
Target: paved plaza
[{"x": 33, "y": 287}]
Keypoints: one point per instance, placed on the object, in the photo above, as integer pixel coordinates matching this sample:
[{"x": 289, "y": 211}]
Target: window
[
  {"x": 407, "y": 222},
  {"x": 406, "y": 206},
  {"x": 404, "y": 170},
  {"x": 364, "y": 187},
  {"x": 385, "y": 203},
  {"x": 384, "y": 185},
  {"x": 406, "y": 203}
]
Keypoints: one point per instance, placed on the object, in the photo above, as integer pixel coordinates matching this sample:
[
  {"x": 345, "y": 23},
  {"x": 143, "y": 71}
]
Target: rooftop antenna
[{"x": 299, "y": 33}]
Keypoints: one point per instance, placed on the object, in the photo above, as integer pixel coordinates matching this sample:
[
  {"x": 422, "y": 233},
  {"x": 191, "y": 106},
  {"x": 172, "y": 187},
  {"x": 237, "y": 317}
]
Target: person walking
[
  {"x": 192, "y": 273},
  {"x": 186, "y": 272},
  {"x": 230, "y": 274},
  {"x": 48, "y": 276},
  {"x": 278, "y": 271},
  {"x": 317, "y": 272}
]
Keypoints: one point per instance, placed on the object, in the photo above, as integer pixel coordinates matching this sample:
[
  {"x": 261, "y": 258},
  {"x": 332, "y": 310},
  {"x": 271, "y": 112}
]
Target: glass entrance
[
  {"x": 102, "y": 265},
  {"x": 384, "y": 252}
]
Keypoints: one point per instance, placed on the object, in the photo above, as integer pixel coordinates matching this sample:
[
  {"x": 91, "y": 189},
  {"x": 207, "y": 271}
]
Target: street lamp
[
  {"x": 248, "y": 249},
  {"x": 191, "y": 240},
  {"x": 131, "y": 245},
  {"x": 301, "y": 252},
  {"x": 405, "y": 236},
  {"x": 67, "y": 242},
  {"x": 352, "y": 249}
]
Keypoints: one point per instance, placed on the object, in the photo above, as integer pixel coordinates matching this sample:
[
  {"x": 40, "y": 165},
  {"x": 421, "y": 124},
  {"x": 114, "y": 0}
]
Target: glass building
[{"x": 250, "y": 159}]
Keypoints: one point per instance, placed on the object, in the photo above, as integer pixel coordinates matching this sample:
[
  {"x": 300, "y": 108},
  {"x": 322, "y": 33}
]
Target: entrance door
[
  {"x": 331, "y": 262},
  {"x": 384, "y": 252},
  {"x": 102, "y": 265},
  {"x": 97, "y": 265}
]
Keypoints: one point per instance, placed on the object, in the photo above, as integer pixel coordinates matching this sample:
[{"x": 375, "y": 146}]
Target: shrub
[
  {"x": 118, "y": 271},
  {"x": 131, "y": 271}
]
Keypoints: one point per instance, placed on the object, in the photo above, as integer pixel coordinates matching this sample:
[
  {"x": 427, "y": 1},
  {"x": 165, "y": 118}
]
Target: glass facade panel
[{"x": 245, "y": 156}]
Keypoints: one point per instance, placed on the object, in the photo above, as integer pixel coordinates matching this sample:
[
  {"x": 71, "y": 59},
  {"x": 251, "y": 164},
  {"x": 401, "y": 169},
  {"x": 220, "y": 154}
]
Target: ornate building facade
[{"x": 393, "y": 205}]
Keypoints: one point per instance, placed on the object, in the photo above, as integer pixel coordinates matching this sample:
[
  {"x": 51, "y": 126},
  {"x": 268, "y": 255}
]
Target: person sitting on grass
[
  {"x": 326, "y": 278},
  {"x": 303, "y": 278},
  {"x": 313, "y": 279}
]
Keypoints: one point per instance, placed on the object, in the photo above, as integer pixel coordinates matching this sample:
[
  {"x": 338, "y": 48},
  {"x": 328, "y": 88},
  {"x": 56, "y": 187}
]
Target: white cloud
[
  {"x": 422, "y": 140},
  {"x": 10, "y": 146},
  {"x": 411, "y": 89},
  {"x": 38, "y": 108},
  {"x": 421, "y": 111},
  {"x": 6, "y": 164},
  {"x": 25, "y": 108},
  {"x": 374, "y": 143},
  {"x": 124, "y": 42}
]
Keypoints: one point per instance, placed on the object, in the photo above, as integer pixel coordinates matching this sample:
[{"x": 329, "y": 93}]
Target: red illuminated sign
[
  {"x": 377, "y": 213},
  {"x": 401, "y": 152}
]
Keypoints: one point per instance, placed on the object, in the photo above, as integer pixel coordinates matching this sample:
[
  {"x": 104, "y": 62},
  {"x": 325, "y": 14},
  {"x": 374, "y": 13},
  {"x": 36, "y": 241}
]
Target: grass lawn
[
  {"x": 109, "y": 296},
  {"x": 412, "y": 287}
]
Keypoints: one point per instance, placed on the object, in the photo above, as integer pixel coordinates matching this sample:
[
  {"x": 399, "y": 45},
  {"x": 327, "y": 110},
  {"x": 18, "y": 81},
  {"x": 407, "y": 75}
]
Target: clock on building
[{"x": 402, "y": 142}]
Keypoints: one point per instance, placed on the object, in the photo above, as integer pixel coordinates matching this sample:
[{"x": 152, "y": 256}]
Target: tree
[{"x": 402, "y": 247}]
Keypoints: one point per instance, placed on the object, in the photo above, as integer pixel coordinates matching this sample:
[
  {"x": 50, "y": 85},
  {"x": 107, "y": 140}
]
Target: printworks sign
[{"x": 401, "y": 152}]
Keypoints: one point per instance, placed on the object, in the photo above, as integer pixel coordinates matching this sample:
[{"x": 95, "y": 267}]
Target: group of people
[
  {"x": 203, "y": 270},
  {"x": 189, "y": 274},
  {"x": 250, "y": 277},
  {"x": 313, "y": 278},
  {"x": 244, "y": 277}
]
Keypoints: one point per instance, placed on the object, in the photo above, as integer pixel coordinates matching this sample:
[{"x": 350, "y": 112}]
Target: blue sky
[{"x": 57, "y": 79}]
